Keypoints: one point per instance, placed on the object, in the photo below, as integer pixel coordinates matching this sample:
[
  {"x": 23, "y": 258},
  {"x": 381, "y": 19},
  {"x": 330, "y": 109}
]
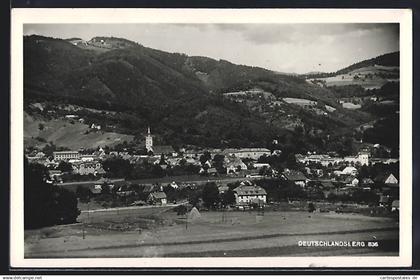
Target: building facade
[
  {"x": 66, "y": 155},
  {"x": 247, "y": 194}
]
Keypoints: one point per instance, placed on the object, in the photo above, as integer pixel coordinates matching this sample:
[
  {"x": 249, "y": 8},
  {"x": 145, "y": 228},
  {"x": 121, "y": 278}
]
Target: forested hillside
[{"x": 180, "y": 97}]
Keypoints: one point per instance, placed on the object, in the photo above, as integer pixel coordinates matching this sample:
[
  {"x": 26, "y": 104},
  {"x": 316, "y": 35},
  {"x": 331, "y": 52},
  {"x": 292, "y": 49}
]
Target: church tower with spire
[{"x": 149, "y": 140}]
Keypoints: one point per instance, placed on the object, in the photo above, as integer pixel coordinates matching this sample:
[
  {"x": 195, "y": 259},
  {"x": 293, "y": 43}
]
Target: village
[{"x": 169, "y": 176}]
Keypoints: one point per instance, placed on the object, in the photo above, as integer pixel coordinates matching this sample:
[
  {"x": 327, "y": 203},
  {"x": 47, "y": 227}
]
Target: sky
[{"x": 291, "y": 48}]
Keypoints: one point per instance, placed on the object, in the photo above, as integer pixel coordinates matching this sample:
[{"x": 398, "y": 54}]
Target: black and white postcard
[{"x": 211, "y": 138}]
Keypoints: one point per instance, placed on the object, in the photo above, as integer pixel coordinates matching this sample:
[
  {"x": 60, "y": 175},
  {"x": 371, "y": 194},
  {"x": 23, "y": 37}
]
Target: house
[
  {"x": 157, "y": 198},
  {"x": 233, "y": 164},
  {"x": 276, "y": 152},
  {"x": 259, "y": 166},
  {"x": 223, "y": 189},
  {"x": 123, "y": 191},
  {"x": 55, "y": 175},
  {"x": 105, "y": 181},
  {"x": 387, "y": 179},
  {"x": 252, "y": 153},
  {"x": 362, "y": 158},
  {"x": 247, "y": 193},
  {"x": 40, "y": 155},
  {"x": 85, "y": 168},
  {"x": 192, "y": 161},
  {"x": 296, "y": 177},
  {"x": 95, "y": 190},
  {"x": 349, "y": 170},
  {"x": 95, "y": 126},
  {"x": 88, "y": 157},
  {"x": 174, "y": 161},
  {"x": 351, "y": 181},
  {"x": 113, "y": 153},
  {"x": 212, "y": 171},
  {"x": 193, "y": 154},
  {"x": 163, "y": 150},
  {"x": 395, "y": 206},
  {"x": 100, "y": 153},
  {"x": 174, "y": 185},
  {"x": 366, "y": 182}
]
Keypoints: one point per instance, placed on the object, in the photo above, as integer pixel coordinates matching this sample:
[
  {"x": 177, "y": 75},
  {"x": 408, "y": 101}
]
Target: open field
[
  {"x": 159, "y": 232},
  {"x": 372, "y": 82}
]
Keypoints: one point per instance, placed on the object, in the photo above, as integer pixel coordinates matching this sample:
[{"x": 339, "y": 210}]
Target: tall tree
[
  {"x": 45, "y": 204},
  {"x": 210, "y": 195}
]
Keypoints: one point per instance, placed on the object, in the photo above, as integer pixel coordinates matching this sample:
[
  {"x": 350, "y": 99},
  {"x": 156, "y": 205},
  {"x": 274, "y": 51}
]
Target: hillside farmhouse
[{"x": 157, "y": 198}]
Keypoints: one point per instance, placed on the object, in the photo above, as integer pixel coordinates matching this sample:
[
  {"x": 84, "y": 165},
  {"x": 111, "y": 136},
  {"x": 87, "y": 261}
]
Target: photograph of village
[{"x": 211, "y": 140}]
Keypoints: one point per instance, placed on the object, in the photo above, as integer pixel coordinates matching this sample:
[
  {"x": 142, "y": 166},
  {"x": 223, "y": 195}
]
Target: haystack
[{"x": 194, "y": 214}]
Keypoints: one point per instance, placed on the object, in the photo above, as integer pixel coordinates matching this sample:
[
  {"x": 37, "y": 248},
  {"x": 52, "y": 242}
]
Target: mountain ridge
[{"x": 172, "y": 92}]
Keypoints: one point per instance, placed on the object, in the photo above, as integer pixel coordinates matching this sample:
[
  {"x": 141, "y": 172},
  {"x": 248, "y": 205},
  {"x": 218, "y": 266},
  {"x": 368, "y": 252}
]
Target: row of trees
[{"x": 121, "y": 168}]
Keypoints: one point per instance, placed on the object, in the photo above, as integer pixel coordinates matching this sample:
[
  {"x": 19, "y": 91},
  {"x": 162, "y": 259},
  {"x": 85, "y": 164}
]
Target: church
[{"x": 157, "y": 150}]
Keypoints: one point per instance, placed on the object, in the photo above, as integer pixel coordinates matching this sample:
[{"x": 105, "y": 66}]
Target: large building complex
[{"x": 66, "y": 155}]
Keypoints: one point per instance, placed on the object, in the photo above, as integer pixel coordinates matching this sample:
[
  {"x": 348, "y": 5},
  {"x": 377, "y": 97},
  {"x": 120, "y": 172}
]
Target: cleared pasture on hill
[{"x": 66, "y": 134}]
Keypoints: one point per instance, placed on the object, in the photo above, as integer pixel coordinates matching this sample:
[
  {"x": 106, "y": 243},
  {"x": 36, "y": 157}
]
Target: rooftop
[
  {"x": 293, "y": 175},
  {"x": 158, "y": 195},
  {"x": 250, "y": 190}
]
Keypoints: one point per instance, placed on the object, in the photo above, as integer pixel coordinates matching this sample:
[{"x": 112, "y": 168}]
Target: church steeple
[{"x": 149, "y": 140}]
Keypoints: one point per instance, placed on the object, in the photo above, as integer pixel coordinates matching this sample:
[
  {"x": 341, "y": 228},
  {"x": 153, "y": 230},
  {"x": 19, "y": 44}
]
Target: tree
[
  {"x": 181, "y": 210},
  {"x": 210, "y": 195},
  {"x": 228, "y": 198},
  {"x": 311, "y": 207},
  {"x": 65, "y": 166},
  {"x": 67, "y": 210},
  {"x": 83, "y": 193},
  {"x": 46, "y": 204},
  {"x": 117, "y": 167},
  {"x": 194, "y": 198},
  {"x": 218, "y": 163},
  {"x": 41, "y": 126},
  {"x": 205, "y": 157},
  {"x": 162, "y": 160}
]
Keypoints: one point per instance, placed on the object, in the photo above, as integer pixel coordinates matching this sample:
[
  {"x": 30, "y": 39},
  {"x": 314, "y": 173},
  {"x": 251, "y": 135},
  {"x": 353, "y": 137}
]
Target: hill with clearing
[
  {"x": 369, "y": 74},
  {"x": 185, "y": 99},
  {"x": 39, "y": 131}
]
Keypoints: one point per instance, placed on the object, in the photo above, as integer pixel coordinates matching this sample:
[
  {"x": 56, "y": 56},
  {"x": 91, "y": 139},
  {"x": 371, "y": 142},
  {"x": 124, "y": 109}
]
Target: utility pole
[
  {"x": 88, "y": 211},
  {"x": 83, "y": 231},
  {"x": 186, "y": 221}
]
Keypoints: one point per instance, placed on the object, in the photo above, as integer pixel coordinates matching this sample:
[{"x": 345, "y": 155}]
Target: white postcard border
[{"x": 22, "y": 16}]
